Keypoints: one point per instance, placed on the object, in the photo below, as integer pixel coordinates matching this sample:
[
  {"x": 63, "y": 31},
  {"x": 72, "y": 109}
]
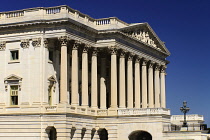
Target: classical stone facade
[{"x": 65, "y": 75}]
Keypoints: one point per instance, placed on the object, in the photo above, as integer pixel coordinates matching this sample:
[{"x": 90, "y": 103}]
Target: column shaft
[
  {"x": 137, "y": 84},
  {"x": 94, "y": 92},
  {"x": 103, "y": 84},
  {"x": 151, "y": 86},
  {"x": 162, "y": 89},
  {"x": 157, "y": 87},
  {"x": 85, "y": 77},
  {"x": 144, "y": 84},
  {"x": 122, "y": 81},
  {"x": 130, "y": 82},
  {"x": 74, "y": 75},
  {"x": 63, "y": 70},
  {"x": 113, "y": 78}
]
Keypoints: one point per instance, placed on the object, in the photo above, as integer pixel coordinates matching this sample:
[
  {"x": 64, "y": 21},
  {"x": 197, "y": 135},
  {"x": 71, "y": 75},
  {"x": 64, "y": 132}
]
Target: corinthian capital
[
  {"x": 144, "y": 62},
  {"x": 2, "y": 45},
  {"x": 151, "y": 64},
  {"x": 24, "y": 43},
  {"x": 130, "y": 56},
  {"x": 76, "y": 45},
  {"x": 63, "y": 40},
  {"x": 157, "y": 67},
  {"x": 162, "y": 69},
  {"x": 113, "y": 50}
]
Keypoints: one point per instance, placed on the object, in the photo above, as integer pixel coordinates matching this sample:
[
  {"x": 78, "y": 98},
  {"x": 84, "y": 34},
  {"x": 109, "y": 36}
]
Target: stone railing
[
  {"x": 59, "y": 12},
  {"x": 190, "y": 127},
  {"x": 144, "y": 111},
  {"x": 85, "y": 110},
  {"x": 191, "y": 117}
]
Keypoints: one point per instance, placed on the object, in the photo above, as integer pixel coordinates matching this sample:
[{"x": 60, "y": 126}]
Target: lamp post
[{"x": 184, "y": 109}]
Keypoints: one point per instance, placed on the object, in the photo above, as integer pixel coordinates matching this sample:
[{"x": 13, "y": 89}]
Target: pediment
[
  {"x": 145, "y": 34},
  {"x": 13, "y": 77}
]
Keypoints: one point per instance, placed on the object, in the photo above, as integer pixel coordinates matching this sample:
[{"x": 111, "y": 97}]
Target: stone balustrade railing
[
  {"x": 85, "y": 110},
  {"x": 56, "y": 13},
  {"x": 188, "y": 117}
]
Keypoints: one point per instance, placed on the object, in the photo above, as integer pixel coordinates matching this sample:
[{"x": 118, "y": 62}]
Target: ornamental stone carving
[
  {"x": 45, "y": 42},
  {"x": 36, "y": 42},
  {"x": 130, "y": 56},
  {"x": 142, "y": 36},
  {"x": 76, "y": 45},
  {"x": 144, "y": 62},
  {"x": 162, "y": 69},
  {"x": 94, "y": 51},
  {"x": 63, "y": 40},
  {"x": 122, "y": 53},
  {"x": 24, "y": 43},
  {"x": 2, "y": 46},
  {"x": 157, "y": 67},
  {"x": 113, "y": 50},
  {"x": 151, "y": 64}
]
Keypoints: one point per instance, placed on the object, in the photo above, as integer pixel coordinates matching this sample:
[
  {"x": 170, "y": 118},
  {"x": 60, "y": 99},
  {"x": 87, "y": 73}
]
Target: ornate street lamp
[{"x": 184, "y": 109}]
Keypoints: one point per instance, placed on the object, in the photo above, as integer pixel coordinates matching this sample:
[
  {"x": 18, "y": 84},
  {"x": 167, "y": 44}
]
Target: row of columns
[{"x": 144, "y": 83}]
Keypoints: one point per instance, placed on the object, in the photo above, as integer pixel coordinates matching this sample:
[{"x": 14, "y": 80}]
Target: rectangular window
[
  {"x": 14, "y": 95},
  {"x": 14, "y": 55}
]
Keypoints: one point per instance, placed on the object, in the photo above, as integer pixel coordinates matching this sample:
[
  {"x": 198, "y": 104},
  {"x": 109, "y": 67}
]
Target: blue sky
[{"x": 182, "y": 24}]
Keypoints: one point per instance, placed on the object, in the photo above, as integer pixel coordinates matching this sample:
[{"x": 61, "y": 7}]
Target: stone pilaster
[
  {"x": 162, "y": 88},
  {"x": 63, "y": 69},
  {"x": 130, "y": 81},
  {"x": 74, "y": 75},
  {"x": 157, "y": 86},
  {"x": 144, "y": 83},
  {"x": 137, "y": 83},
  {"x": 122, "y": 80},
  {"x": 94, "y": 73},
  {"x": 85, "y": 76},
  {"x": 150, "y": 85}
]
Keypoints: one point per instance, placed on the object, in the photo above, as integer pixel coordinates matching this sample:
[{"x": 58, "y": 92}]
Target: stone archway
[{"x": 140, "y": 135}]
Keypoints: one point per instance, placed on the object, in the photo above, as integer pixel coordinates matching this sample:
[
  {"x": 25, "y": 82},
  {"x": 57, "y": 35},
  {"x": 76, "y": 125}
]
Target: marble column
[
  {"x": 130, "y": 81},
  {"x": 85, "y": 76},
  {"x": 113, "y": 77},
  {"x": 122, "y": 80},
  {"x": 74, "y": 75},
  {"x": 157, "y": 86},
  {"x": 63, "y": 69},
  {"x": 150, "y": 85},
  {"x": 94, "y": 73},
  {"x": 137, "y": 83},
  {"x": 103, "y": 83},
  {"x": 162, "y": 88},
  {"x": 144, "y": 84}
]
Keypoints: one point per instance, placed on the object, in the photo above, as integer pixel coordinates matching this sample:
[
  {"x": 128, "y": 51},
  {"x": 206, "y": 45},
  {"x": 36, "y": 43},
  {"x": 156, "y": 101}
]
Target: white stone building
[{"x": 67, "y": 76}]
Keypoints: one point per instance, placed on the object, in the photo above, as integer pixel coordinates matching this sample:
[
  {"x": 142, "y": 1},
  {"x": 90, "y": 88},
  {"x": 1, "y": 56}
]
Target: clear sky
[{"x": 183, "y": 24}]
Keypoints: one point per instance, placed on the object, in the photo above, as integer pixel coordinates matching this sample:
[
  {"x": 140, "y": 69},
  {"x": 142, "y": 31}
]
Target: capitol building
[{"x": 67, "y": 76}]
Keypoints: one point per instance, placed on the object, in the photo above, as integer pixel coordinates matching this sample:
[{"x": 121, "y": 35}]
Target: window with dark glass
[{"x": 14, "y": 55}]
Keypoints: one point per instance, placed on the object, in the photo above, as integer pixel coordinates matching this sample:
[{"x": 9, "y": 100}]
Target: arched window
[
  {"x": 51, "y": 131},
  {"x": 103, "y": 134},
  {"x": 140, "y": 135}
]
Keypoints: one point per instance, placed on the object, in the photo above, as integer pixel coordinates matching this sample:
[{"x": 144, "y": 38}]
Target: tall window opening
[{"x": 14, "y": 94}]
